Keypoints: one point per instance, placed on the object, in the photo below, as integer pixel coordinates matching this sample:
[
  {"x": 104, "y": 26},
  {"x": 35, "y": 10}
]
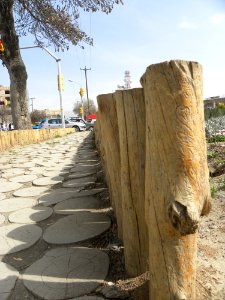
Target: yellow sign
[
  {"x": 81, "y": 92},
  {"x": 60, "y": 82},
  {"x": 81, "y": 110},
  {"x": 2, "y": 49}
]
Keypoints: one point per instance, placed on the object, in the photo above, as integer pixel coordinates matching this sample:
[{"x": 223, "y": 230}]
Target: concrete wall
[
  {"x": 153, "y": 149},
  {"x": 9, "y": 139}
]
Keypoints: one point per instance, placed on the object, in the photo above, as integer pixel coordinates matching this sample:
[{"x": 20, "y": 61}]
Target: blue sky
[{"x": 134, "y": 36}]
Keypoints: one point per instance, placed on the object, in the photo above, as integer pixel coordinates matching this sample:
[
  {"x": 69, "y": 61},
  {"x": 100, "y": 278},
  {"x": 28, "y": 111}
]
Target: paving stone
[
  {"x": 82, "y": 169},
  {"x": 75, "y": 228},
  {"x": 56, "y": 196},
  {"x": 23, "y": 178},
  {"x": 55, "y": 173},
  {"x": 31, "y": 215},
  {"x": 37, "y": 170},
  {"x": 24, "y": 165},
  {"x": 13, "y": 204},
  {"x": 6, "y": 167},
  {"x": 88, "y": 298},
  {"x": 16, "y": 237},
  {"x": 80, "y": 175},
  {"x": 64, "y": 273},
  {"x": 13, "y": 172},
  {"x": 2, "y": 196},
  {"x": 2, "y": 220},
  {"x": 79, "y": 182},
  {"x": 73, "y": 205},
  {"x": 89, "y": 192},
  {"x": 9, "y": 186},
  {"x": 30, "y": 192},
  {"x": 8, "y": 277},
  {"x": 43, "y": 181}
]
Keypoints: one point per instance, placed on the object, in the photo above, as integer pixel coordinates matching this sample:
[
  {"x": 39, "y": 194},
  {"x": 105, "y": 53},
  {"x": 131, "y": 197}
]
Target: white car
[{"x": 57, "y": 123}]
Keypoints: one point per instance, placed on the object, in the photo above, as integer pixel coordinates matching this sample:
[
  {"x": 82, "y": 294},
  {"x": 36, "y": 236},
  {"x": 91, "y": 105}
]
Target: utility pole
[
  {"x": 32, "y": 104},
  {"x": 85, "y": 71}
]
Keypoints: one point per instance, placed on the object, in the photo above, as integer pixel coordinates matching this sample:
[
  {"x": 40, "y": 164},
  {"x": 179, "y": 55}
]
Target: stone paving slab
[
  {"x": 88, "y": 298},
  {"x": 23, "y": 178},
  {"x": 55, "y": 173},
  {"x": 82, "y": 169},
  {"x": 79, "y": 183},
  {"x": 77, "y": 227},
  {"x": 8, "y": 277},
  {"x": 89, "y": 192},
  {"x": 2, "y": 220},
  {"x": 30, "y": 192},
  {"x": 16, "y": 237},
  {"x": 13, "y": 172},
  {"x": 31, "y": 215},
  {"x": 73, "y": 205},
  {"x": 56, "y": 196},
  {"x": 37, "y": 170},
  {"x": 2, "y": 196},
  {"x": 9, "y": 187},
  {"x": 13, "y": 204},
  {"x": 44, "y": 181},
  {"x": 81, "y": 175},
  {"x": 64, "y": 273}
]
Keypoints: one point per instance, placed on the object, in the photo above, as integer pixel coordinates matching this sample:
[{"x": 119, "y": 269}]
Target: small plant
[
  {"x": 214, "y": 191},
  {"x": 212, "y": 154},
  {"x": 58, "y": 136}
]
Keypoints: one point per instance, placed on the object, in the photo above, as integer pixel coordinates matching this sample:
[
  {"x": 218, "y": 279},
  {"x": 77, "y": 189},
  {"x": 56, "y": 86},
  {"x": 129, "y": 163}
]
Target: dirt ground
[{"x": 211, "y": 242}]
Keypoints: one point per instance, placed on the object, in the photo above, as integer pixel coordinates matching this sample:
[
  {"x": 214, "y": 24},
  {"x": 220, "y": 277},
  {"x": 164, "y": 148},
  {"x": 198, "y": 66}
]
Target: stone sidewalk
[{"x": 49, "y": 205}]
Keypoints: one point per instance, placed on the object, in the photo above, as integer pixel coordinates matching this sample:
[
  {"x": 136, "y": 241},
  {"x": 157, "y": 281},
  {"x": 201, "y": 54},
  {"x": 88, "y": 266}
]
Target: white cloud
[
  {"x": 217, "y": 19},
  {"x": 186, "y": 24}
]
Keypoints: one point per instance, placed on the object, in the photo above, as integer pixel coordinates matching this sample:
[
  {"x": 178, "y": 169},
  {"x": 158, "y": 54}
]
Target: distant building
[
  {"x": 212, "y": 102},
  {"x": 52, "y": 113},
  {"x": 4, "y": 93}
]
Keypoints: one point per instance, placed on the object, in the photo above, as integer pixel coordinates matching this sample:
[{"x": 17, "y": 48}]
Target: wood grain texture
[
  {"x": 131, "y": 120},
  {"x": 176, "y": 180},
  {"x": 110, "y": 151}
]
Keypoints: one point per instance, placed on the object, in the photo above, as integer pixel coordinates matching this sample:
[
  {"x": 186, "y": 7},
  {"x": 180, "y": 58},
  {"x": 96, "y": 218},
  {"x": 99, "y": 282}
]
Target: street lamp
[
  {"x": 59, "y": 78},
  {"x": 82, "y": 105}
]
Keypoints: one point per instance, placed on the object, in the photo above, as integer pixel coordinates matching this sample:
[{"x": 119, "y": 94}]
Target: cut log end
[{"x": 183, "y": 220}]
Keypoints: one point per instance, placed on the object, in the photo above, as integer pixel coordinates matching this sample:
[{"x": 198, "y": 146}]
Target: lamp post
[{"x": 58, "y": 60}]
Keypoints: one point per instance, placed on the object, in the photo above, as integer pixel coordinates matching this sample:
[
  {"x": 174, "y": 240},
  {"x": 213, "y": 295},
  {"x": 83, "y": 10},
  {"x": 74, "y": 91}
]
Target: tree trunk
[
  {"x": 131, "y": 125},
  {"x": 177, "y": 189},
  {"x": 16, "y": 68}
]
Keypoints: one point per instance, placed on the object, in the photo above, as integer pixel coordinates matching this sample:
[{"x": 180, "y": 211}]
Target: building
[
  {"x": 5, "y": 111},
  {"x": 212, "y": 102},
  {"x": 52, "y": 113}
]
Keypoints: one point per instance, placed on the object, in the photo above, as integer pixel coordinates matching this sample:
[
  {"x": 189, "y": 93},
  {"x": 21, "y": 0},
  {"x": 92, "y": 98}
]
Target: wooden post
[
  {"x": 111, "y": 151},
  {"x": 176, "y": 180},
  {"x": 131, "y": 120}
]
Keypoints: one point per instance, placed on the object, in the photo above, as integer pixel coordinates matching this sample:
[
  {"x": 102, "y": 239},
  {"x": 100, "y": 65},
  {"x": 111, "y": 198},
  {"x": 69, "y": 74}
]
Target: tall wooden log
[
  {"x": 176, "y": 180},
  {"x": 131, "y": 120},
  {"x": 111, "y": 152}
]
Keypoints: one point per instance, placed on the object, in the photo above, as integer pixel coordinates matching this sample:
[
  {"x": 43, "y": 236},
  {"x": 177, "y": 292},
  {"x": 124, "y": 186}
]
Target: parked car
[
  {"x": 57, "y": 123},
  {"x": 89, "y": 124}
]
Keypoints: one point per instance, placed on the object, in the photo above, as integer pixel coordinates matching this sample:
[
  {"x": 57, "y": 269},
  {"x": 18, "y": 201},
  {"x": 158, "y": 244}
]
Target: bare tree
[
  {"x": 37, "y": 115},
  {"x": 50, "y": 22},
  {"x": 92, "y": 107}
]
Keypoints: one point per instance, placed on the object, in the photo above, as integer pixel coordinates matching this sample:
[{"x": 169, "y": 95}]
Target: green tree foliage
[
  {"x": 50, "y": 22},
  {"x": 218, "y": 111},
  {"x": 92, "y": 107},
  {"x": 37, "y": 115}
]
